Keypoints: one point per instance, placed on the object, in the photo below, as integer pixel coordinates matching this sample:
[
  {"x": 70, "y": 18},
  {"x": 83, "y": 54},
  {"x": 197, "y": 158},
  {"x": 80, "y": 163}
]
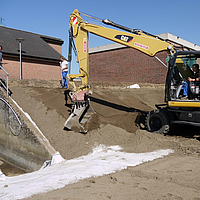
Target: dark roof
[{"x": 34, "y": 45}]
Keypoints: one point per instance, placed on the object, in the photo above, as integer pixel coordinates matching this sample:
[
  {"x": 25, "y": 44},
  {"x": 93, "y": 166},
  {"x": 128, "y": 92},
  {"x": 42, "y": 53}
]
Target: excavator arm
[{"x": 78, "y": 34}]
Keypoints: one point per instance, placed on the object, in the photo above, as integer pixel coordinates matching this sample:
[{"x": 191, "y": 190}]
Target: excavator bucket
[{"x": 80, "y": 114}]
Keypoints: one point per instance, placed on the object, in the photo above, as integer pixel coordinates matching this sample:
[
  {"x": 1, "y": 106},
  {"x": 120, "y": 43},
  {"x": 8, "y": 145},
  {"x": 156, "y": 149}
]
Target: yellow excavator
[{"x": 176, "y": 109}]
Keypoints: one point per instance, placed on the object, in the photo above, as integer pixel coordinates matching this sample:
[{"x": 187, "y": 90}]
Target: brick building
[
  {"x": 118, "y": 63},
  {"x": 40, "y": 55}
]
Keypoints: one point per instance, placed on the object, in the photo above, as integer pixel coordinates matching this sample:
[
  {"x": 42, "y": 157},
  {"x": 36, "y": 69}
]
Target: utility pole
[{"x": 20, "y": 54}]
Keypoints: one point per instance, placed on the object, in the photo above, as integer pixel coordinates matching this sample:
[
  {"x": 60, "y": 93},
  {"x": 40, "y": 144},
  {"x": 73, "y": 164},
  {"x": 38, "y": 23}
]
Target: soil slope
[{"x": 119, "y": 120}]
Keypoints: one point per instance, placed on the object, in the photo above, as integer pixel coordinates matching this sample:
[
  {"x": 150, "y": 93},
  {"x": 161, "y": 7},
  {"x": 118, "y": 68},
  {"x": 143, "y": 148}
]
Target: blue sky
[{"x": 51, "y": 17}]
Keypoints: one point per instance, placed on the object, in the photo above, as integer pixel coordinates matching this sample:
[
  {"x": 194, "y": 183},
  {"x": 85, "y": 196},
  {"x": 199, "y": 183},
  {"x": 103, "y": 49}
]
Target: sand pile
[{"x": 119, "y": 121}]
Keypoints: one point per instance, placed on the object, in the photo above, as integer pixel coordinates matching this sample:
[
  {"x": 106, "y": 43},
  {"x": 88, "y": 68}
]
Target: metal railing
[
  {"x": 3, "y": 80},
  {"x": 13, "y": 129}
]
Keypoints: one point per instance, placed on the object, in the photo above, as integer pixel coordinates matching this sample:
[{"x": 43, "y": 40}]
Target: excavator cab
[
  {"x": 179, "y": 108},
  {"x": 180, "y": 69}
]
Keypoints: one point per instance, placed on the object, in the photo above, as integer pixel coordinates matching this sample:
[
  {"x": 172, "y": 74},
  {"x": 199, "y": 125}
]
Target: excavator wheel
[{"x": 157, "y": 121}]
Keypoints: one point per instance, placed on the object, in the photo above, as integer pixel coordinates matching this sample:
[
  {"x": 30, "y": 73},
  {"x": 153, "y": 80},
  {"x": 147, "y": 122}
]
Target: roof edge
[
  {"x": 29, "y": 56},
  {"x": 107, "y": 47},
  {"x": 178, "y": 40},
  {"x": 41, "y": 35}
]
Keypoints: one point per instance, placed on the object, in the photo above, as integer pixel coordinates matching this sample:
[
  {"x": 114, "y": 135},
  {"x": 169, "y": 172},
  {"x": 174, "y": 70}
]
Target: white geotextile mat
[{"x": 103, "y": 160}]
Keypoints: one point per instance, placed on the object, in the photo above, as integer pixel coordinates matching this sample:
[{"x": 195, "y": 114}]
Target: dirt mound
[
  {"x": 116, "y": 123},
  {"x": 121, "y": 108}
]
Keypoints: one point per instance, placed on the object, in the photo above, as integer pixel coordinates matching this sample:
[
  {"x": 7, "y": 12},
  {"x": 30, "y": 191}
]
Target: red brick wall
[
  {"x": 31, "y": 69},
  {"x": 41, "y": 71},
  {"x": 127, "y": 65}
]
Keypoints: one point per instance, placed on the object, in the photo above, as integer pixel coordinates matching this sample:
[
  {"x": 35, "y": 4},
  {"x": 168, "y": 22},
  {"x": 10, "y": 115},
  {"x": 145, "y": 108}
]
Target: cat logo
[{"x": 124, "y": 38}]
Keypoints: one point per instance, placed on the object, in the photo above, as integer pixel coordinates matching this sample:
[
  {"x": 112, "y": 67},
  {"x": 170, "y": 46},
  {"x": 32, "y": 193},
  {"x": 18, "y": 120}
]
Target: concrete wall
[
  {"x": 21, "y": 146},
  {"x": 126, "y": 65}
]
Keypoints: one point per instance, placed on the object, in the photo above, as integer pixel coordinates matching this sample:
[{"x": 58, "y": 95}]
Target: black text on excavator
[{"x": 180, "y": 63}]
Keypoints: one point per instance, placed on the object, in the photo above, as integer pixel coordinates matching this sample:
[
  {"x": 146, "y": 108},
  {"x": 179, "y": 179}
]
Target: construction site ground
[{"x": 119, "y": 120}]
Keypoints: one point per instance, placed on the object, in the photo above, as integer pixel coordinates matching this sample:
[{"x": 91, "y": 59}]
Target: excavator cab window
[{"x": 179, "y": 72}]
